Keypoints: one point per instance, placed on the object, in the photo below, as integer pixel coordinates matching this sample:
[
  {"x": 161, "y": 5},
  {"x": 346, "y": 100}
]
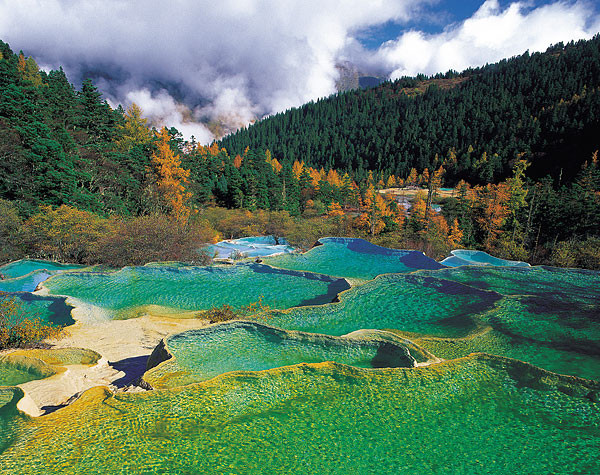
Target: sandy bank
[{"x": 124, "y": 345}]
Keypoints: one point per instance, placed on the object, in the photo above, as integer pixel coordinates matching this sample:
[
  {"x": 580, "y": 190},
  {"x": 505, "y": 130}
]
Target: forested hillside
[
  {"x": 59, "y": 145},
  {"x": 542, "y": 107},
  {"x": 82, "y": 182}
]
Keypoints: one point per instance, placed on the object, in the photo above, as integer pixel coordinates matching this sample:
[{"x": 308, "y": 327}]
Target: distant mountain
[
  {"x": 350, "y": 77},
  {"x": 544, "y": 107}
]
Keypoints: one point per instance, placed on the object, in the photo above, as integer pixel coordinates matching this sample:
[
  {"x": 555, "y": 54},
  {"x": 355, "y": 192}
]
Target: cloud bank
[
  {"x": 490, "y": 35},
  {"x": 208, "y": 67}
]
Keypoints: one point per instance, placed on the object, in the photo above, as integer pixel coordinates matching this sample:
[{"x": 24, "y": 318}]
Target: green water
[
  {"x": 475, "y": 415},
  {"x": 412, "y": 303},
  {"x": 21, "y": 369},
  {"x": 25, "y": 266},
  {"x": 551, "y": 318},
  {"x": 469, "y": 416},
  {"x": 573, "y": 285},
  {"x": 353, "y": 258},
  {"x": 545, "y": 339},
  {"x": 11, "y": 375},
  {"x": 246, "y": 346},
  {"x": 26, "y": 283},
  {"x": 128, "y": 292},
  {"x": 49, "y": 310},
  {"x": 12, "y": 420}
]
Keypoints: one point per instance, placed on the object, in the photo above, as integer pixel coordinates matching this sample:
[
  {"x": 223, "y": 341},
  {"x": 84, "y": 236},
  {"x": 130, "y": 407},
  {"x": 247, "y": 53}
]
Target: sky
[{"x": 192, "y": 63}]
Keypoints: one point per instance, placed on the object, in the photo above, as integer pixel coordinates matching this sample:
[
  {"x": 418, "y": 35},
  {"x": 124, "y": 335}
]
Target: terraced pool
[
  {"x": 170, "y": 290},
  {"x": 315, "y": 386},
  {"x": 353, "y": 258},
  {"x": 474, "y": 415}
]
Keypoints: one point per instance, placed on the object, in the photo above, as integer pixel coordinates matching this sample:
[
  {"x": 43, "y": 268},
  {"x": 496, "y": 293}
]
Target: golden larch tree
[
  {"x": 135, "y": 129},
  {"x": 237, "y": 161},
  {"x": 297, "y": 169},
  {"x": 171, "y": 178}
]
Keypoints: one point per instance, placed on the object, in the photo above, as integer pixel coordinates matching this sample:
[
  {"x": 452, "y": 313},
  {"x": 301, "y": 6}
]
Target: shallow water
[
  {"x": 256, "y": 246},
  {"x": 563, "y": 342},
  {"x": 130, "y": 291},
  {"x": 202, "y": 354},
  {"x": 467, "y": 257},
  {"x": 12, "y": 421},
  {"x": 25, "y": 266},
  {"x": 17, "y": 369},
  {"x": 11, "y": 375},
  {"x": 26, "y": 283},
  {"x": 353, "y": 258},
  {"x": 469, "y": 416},
  {"x": 413, "y": 303},
  {"x": 49, "y": 310}
]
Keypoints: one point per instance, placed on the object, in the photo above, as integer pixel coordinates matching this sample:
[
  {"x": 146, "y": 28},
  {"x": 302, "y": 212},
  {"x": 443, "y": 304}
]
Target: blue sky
[
  {"x": 432, "y": 20},
  {"x": 233, "y": 61}
]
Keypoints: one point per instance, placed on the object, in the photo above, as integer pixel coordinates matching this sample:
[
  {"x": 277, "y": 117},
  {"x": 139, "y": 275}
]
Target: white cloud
[
  {"x": 491, "y": 34},
  {"x": 235, "y": 60},
  {"x": 231, "y": 59},
  {"x": 162, "y": 110}
]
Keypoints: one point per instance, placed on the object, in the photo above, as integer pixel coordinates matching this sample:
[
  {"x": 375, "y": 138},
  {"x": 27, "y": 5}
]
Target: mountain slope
[{"x": 543, "y": 107}]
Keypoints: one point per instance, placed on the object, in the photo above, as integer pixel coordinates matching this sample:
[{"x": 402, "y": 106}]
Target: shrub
[
  {"x": 574, "y": 253},
  {"x": 17, "y": 329},
  {"x": 137, "y": 241},
  {"x": 64, "y": 234},
  {"x": 226, "y": 312}
]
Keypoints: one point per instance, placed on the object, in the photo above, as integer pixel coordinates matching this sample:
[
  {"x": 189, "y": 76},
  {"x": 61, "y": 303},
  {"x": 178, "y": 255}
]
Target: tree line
[
  {"x": 82, "y": 182},
  {"x": 543, "y": 107}
]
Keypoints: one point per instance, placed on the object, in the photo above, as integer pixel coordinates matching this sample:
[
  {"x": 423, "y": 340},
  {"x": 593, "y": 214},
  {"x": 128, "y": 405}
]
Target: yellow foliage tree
[
  {"x": 335, "y": 210},
  {"x": 273, "y": 162},
  {"x": 29, "y": 70},
  {"x": 375, "y": 210},
  {"x": 171, "y": 178},
  {"x": 297, "y": 169},
  {"x": 492, "y": 201},
  {"x": 434, "y": 182},
  {"x": 417, "y": 219},
  {"x": 17, "y": 328},
  {"x": 412, "y": 177},
  {"x": 333, "y": 178},
  {"x": 315, "y": 178},
  {"x": 135, "y": 129},
  {"x": 456, "y": 235},
  {"x": 64, "y": 234}
]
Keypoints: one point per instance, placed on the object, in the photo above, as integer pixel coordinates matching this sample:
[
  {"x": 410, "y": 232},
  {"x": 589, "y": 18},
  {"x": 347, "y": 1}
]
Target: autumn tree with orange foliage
[
  {"x": 335, "y": 210},
  {"x": 237, "y": 161},
  {"x": 377, "y": 213},
  {"x": 491, "y": 211},
  {"x": 171, "y": 178}
]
